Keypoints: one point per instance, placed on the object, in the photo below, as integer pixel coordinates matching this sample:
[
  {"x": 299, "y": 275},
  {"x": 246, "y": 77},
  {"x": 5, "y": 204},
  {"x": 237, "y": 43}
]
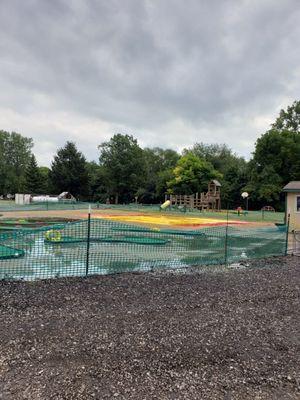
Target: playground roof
[
  {"x": 66, "y": 195},
  {"x": 293, "y": 186},
  {"x": 217, "y": 183}
]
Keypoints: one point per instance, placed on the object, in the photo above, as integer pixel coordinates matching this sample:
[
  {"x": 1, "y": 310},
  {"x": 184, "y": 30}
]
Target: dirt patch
[{"x": 193, "y": 334}]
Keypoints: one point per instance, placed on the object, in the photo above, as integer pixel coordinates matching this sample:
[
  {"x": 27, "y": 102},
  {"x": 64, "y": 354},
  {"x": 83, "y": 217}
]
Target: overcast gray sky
[{"x": 169, "y": 72}]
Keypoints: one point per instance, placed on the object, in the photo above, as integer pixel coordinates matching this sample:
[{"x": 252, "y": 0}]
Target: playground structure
[{"x": 206, "y": 201}]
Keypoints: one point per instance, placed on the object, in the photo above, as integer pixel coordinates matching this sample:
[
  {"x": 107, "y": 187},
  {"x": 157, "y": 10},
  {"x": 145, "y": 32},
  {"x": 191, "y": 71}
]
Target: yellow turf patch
[{"x": 167, "y": 220}]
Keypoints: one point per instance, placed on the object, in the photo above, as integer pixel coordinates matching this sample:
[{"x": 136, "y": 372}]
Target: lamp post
[{"x": 245, "y": 195}]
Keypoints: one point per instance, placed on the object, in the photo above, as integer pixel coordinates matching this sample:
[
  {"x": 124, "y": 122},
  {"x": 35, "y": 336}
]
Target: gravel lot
[{"x": 200, "y": 334}]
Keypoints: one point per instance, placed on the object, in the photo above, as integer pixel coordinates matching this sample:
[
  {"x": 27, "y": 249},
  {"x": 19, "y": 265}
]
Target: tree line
[{"x": 125, "y": 172}]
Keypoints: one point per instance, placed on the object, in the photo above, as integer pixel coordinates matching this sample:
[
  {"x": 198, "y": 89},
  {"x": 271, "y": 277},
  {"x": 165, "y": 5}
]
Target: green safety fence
[
  {"x": 10, "y": 206},
  {"x": 6, "y": 206},
  {"x": 103, "y": 247}
]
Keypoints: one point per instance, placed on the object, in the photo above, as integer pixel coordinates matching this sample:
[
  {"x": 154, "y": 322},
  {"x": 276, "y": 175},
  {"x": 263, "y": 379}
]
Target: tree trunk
[{"x": 116, "y": 198}]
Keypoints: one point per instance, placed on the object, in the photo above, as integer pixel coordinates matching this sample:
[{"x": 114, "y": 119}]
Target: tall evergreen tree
[
  {"x": 45, "y": 184},
  {"x": 33, "y": 177},
  {"x": 68, "y": 171},
  {"x": 97, "y": 182}
]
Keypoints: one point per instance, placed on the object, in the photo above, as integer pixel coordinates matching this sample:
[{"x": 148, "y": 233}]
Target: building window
[{"x": 298, "y": 203}]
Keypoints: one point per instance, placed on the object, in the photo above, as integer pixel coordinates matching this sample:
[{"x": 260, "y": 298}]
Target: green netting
[
  {"x": 9, "y": 228},
  {"x": 161, "y": 231},
  {"x": 65, "y": 240},
  {"x": 14, "y": 222},
  {"x": 7, "y": 253},
  {"x": 104, "y": 247},
  {"x": 66, "y": 205},
  {"x": 110, "y": 239}
]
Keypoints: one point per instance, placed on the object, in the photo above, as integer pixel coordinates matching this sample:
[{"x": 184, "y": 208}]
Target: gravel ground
[{"x": 199, "y": 334}]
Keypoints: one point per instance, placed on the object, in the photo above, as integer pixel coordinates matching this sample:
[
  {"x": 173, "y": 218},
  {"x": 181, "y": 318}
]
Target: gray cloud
[{"x": 169, "y": 72}]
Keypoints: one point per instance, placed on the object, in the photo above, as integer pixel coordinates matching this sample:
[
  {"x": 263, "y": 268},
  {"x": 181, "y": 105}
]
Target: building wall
[{"x": 291, "y": 208}]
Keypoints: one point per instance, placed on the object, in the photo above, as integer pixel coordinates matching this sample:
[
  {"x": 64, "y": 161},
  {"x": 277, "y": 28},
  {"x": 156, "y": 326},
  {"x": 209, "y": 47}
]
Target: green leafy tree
[
  {"x": 68, "y": 171},
  {"x": 159, "y": 166},
  {"x": 233, "y": 184},
  {"x": 124, "y": 167},
  {"x": 264, "y": 186},
  {"x": 4, "y": 181},
  {"x": 276, "y": 159},
  {"x": 230, "y": 165},
  {"x": 33, "y": 177},
  {"x": 219, "y": 155},
  {"x": 275, "y": 162},
  {"x": 289, "y": 119},
  {"x": 15, "y": 154},
  {"x": 191, "y": 175}
]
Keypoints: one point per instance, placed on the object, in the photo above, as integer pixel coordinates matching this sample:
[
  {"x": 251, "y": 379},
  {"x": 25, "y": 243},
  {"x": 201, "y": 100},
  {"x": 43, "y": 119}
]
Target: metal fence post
[
  {"x": 226, "y": 237},
  {"x": 287, "y": 235},
  {"x": 88, "y": 242}
]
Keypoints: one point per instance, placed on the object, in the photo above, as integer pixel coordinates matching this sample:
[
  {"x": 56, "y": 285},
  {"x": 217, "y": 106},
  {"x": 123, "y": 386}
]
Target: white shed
[{"x": 292, "y": 203}]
